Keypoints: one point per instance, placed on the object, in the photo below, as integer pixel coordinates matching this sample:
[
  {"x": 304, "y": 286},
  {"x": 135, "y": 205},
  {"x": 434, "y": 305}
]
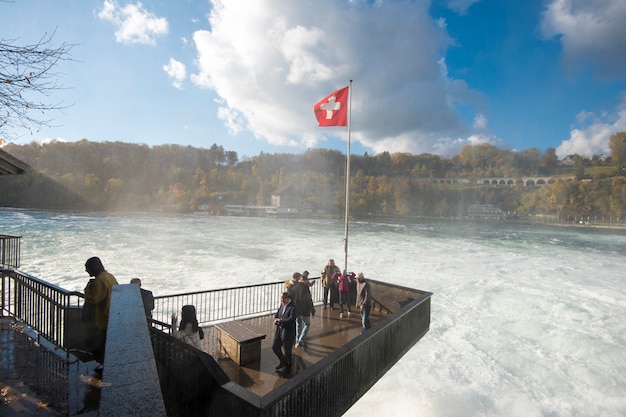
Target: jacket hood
[{"x": 94, "y": 266}]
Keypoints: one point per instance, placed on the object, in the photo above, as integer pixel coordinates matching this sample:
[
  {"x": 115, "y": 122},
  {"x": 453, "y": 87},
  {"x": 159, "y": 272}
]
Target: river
[{"x": 526, "y": 321}]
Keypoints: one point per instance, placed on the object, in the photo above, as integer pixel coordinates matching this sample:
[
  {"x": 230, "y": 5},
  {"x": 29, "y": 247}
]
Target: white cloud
[
  {"x": 593, "y": 137},
  {"x": 176, "y": 71},
  {"x": 134, "y": 23},
  {"x": 592, "y": 33},
  {"x": 53, "y": 140},
  {"x": 269, "y": 65},
  {"x": 231, "y": 118},
  {"x": 461, "y": 6},
  {"x": 480, "y": 122}
]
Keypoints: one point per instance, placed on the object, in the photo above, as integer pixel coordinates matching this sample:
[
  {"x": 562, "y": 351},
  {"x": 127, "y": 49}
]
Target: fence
[
  {"x": 226, "y": 304},
  {"x": 44, "y": 307},
  {"x": 188, "y": 387},
  {"x": 54, "y": 379},
  {"x": 10, "y": 251},
  {"x": 197, "y": 386},
  {"x": 49, "y": 310},
  {"x": 599, "y": 221}
]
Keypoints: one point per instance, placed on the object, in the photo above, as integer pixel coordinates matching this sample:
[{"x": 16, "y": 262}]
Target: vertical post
[{"x": 347, "y": 213}]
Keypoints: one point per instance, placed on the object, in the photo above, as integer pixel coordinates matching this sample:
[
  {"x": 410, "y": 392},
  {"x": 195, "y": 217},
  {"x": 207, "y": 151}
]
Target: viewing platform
[
  {"x": 328, "y": 334},
  {"x": 149, "y": 372}
]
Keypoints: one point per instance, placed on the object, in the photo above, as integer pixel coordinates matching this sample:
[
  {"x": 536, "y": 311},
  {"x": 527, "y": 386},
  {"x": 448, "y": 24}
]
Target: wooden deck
[{"x": 328, "y": 332}]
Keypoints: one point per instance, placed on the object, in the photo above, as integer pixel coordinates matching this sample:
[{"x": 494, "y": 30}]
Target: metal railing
[
  {"x": 45, "y": 307},
  {"x": 45, "y": 373},
  {"x": 227, "y": 304},
  {"x": 188, "y": 387},
  {"x": 42, "y": 306},
  {"x": 345, "y": 375},
  {"x": 197, "y": 386},
  {"x": 9, "y": 251}
]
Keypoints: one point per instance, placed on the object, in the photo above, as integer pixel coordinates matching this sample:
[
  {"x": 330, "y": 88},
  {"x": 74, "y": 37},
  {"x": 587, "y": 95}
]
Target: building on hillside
[
  {"x": 283, "y": 202},
  {"x": 485, "y": 211},
  {"x": 286, "y": 197},
  {"x": 209, "y": 205},
  {"x": 286, "y": 200},
  {"x": 568, "y": 161}
]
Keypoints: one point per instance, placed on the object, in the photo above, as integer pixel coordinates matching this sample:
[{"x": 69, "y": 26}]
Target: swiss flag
[{"x": 332, "y": 110}]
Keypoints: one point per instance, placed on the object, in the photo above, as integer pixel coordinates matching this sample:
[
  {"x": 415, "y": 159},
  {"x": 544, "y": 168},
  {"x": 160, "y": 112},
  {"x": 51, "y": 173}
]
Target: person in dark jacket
[
  {"x": 146, "y": 297},
  {"x": 97, "y": 303},
  {"x": 305, "y": 279},
  {"x": 285, "y": 334},
  {"x": 301, "y": 296}
]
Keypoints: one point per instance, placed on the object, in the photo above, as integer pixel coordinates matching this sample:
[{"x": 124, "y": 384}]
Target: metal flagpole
[{"x": 347, "y": 214}]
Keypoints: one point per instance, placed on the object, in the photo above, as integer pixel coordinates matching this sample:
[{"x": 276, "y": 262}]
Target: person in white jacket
[{"x": 188, "y": 331}]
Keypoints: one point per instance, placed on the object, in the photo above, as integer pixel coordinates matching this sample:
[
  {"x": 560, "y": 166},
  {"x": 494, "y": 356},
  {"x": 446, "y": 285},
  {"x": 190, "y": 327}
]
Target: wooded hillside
[{"x": 124, "y": 176}]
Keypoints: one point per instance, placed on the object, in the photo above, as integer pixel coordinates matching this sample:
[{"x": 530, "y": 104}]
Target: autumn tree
[
  {"x": 549, "y": 158},
  {"x": 480, "y": 160},
  {"x": 617, "y": 144},
  {"x": 579, "y": 167}
]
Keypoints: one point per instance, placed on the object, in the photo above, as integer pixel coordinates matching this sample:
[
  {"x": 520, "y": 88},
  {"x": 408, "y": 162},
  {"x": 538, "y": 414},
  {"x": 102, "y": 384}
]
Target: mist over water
[{"x": 526, "y": 321}]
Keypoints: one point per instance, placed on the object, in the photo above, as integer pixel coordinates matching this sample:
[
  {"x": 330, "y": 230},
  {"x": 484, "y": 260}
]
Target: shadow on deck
[{"x": 328, "y": 333}]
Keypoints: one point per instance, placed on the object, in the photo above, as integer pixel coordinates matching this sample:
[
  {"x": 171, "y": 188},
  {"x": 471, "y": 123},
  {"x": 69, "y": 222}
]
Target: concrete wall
[{"x": 129, "y": 365}]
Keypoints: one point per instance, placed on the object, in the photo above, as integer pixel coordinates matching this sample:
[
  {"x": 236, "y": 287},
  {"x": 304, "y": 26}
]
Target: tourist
[
  {"x": 188, "y": 331},
  {"x": 305, "y": 279},
  {"x": 330, "y": 287},
  {"x": 364, "y": 300},
  {"x": 289, "y": 283},
  {"x": 301, "y": 296},
  {"x": 97, "y": 303},
  {"x": 334, "y": 289},
  {"x": 285, "y": 334},
  {"x": 345, "y": 280},
  {"x": 146, "y": 297}
]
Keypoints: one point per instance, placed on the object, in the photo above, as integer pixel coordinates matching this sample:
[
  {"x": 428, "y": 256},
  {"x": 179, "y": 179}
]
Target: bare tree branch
[{"x": 27, "y": 80}]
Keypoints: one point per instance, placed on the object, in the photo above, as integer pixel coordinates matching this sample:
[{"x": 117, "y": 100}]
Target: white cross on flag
[{"x": 332, "y": 110}]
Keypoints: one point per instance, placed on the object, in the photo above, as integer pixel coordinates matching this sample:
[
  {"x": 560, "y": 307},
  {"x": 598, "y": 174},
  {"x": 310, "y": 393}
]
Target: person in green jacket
[{"x": 97, "y": 303}]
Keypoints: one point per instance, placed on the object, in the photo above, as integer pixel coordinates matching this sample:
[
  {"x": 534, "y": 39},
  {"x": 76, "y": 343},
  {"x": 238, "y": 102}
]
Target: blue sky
[{"x": 429, "y": 76}]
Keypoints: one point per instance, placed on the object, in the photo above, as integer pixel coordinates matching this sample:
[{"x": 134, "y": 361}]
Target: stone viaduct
[{"x": 525, "y": 181}]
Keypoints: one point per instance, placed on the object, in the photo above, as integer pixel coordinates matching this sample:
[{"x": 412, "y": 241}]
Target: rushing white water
[{"x": 526, "y": 321}]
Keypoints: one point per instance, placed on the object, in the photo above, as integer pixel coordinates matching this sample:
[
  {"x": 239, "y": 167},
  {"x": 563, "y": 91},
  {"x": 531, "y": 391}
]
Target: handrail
[
  {"x": 50, "y": 311},
  {"x": 40, "y": 305},
  {"x": 197, "y": 386},
  {"x": 44, "y": 307},
  {"x": 9, "y": 251},
  {"x": 219, "y": 305}
]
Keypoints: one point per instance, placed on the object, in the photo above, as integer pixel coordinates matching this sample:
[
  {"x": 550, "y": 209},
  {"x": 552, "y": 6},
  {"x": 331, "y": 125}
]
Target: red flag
[{"x": 333, "y": 109}]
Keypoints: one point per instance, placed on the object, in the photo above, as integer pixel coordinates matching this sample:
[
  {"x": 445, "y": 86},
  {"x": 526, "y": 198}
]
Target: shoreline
[
  {"x": 519, "y": 222},
  {"x": 368, "y": 218}
]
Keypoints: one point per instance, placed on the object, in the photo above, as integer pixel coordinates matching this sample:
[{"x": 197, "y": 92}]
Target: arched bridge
[{"x": 525, "y": 181}]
